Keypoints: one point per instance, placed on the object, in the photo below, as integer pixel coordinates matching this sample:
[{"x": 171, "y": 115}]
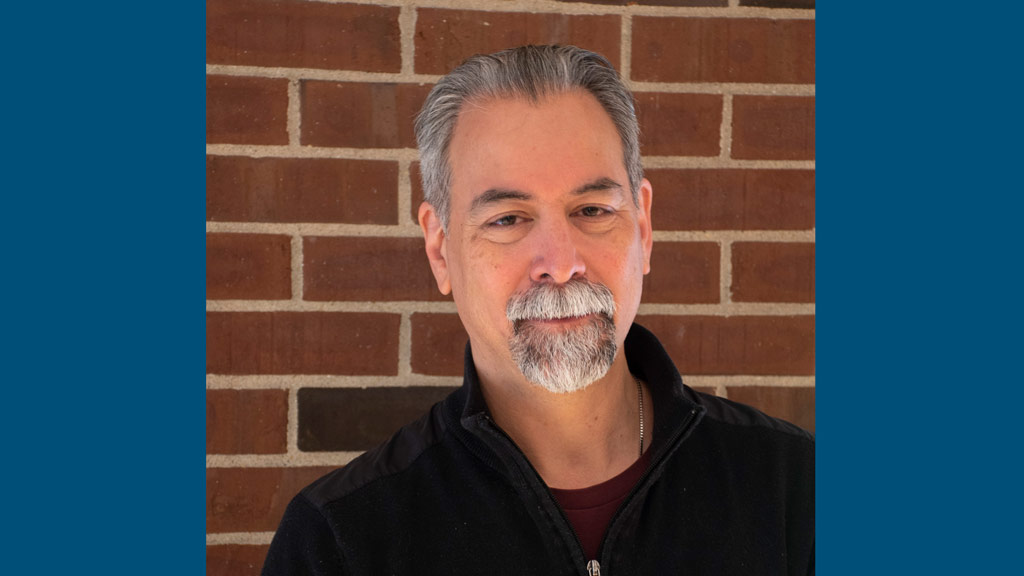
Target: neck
[{"x": 574, "y": 440}]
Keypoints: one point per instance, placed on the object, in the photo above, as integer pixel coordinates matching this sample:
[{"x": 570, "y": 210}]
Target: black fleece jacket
[{"x": 729, "y": 491}]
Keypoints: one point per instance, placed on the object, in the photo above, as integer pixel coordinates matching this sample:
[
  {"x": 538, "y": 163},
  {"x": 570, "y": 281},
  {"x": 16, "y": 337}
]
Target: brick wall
[{"x": 325, "y": 331}]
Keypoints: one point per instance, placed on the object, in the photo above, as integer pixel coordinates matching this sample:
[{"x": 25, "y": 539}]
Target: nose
[{"x": 556, "y": 255}]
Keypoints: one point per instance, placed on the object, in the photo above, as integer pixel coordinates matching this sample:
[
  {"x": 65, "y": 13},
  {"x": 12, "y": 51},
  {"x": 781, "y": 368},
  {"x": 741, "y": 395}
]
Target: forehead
[{"x": 556, "y": 142}]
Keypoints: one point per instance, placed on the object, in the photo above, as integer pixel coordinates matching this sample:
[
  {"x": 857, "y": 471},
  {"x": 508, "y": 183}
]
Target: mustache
[{"x": 577, "y": 297}]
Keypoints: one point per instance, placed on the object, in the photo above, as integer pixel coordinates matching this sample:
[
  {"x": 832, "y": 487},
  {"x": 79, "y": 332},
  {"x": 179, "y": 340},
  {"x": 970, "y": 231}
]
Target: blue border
[
  {"x": 104, "y": 285},
  {"x": 918, "y": 382}
]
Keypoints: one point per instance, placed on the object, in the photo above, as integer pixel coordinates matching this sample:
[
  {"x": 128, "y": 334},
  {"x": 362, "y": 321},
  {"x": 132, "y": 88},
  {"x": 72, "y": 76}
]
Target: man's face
[{"x": 540, "y": 196}]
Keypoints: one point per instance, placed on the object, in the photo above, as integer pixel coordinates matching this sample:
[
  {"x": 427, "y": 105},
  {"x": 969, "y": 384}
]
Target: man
[{"x": 573, "y": 446}]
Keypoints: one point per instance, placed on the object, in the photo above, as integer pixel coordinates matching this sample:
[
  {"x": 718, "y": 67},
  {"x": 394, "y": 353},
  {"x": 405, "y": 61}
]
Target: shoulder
[{"x": 725, "y": 412}]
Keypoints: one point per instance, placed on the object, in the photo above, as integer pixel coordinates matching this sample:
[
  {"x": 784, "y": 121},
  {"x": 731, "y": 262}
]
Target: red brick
[
  {"x": 242, "y": 110},
  {"x": 444, "y": 38},
  {"x": 683, "y": 273},
  {"x": 301, "y": 343},
  {"x": 750, "y": 345},
  {"x": 795, "y": 405},
  {"x": 438, "y": 344},
  {"x": 241, "y": 189},
  {"x": 652, "y": 2},
  {"x": 303, "y": 35},
  {"x": 773, "y": 127},
  {"x": 235, "y": 559},
  {"x": 723, "y": 50},
  {"x": 248, "y": 266},
  {"x": 246, "y": 421},
  {"x": 252, "y": 499},
  {"x": 773, "y": 272},
  {"x": 367, "y": 268},
  {"x": 732, "y": 199},
  {"x": 417, "y": 190},
  {"x": 361, "y": 114},
  {"x": 807, "y": 4},
  {"x": 679, "y": 124}
]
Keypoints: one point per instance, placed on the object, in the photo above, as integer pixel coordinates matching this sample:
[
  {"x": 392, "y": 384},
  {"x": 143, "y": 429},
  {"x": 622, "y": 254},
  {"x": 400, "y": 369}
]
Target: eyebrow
[{"x": 494, "y": 195}]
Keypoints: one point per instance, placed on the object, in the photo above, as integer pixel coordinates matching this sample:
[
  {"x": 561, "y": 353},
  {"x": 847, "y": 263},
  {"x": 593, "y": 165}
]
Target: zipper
[
  {"x": 593, "y": 567},
  {"x": 683, "y": 431},
  {"x": 494, "y": 428}
]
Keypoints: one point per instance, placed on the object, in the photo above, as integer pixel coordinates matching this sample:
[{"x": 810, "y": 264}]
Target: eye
[
  {"x": 593, "y": 211},
  {"x": 505, "y": 221}
]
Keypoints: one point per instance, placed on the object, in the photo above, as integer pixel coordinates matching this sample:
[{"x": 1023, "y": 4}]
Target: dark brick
[
  {"x": 367, "y": 268},
  {"x": 679, "y": 124},
  {"x": 303, "y": 35},
  {"x": 732, "y": 199},
  {"x": 361, "y": 114},
  {"x": 235, "y": 559},
  {"x": 750, "y": 345},
  {"x": 246, "y": 421},
  {"x": 773, "y": 272},
  {"x": 444, "y": 38},
  {"x": 253, "y": 499},
  {"x": 438, "y": 344},
  {"x": 723, "y": 50},
  {"x": 683, "y": 273},
  {"x": 359, "y": 419},
  {"x": 242, "y": 110},
  {"x": 241, "y": 189},
  {"x": 773, "y": 127},
  {"x": 248, "y": 266},
  {"x": 301, "y": 343},
  {"x": 795, "y": 405}
]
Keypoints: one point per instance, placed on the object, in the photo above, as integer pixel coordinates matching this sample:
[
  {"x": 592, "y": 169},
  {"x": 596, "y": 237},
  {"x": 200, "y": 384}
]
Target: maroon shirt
[{"x": 591, "y": 509}]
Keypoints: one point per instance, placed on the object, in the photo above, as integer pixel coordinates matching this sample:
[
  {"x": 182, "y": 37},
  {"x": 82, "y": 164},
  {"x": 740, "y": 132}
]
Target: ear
[
  {"x": 436, "y": 245},
  {"x": 646, "y": 229}
]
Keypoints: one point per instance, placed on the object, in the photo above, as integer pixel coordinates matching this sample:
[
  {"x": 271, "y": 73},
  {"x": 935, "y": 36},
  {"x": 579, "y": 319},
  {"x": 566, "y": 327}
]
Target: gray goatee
[{"x": 563, "y": 361}]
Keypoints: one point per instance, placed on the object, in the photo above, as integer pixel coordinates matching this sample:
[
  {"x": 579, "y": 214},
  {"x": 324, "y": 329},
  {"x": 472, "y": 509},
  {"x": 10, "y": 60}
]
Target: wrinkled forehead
[{"x": 500, "y": 140}]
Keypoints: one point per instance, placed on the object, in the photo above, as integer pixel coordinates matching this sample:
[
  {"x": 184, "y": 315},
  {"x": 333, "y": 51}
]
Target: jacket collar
[{"x": 676, "y": 406}]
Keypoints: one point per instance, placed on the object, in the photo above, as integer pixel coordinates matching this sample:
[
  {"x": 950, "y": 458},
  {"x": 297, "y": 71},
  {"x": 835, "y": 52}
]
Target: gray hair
[{"x": 525, "y": 72}]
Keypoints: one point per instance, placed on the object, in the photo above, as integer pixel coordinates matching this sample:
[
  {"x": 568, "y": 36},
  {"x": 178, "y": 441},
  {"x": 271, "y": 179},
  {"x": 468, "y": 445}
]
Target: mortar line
[
  {"x": 725, "y": 272},
  {"x": 407, "y": 31},
  {"x": 626, "y": 48},
  {"x": 242, "y": 538},
  {"x": 405, "y": 194},
  {"x": 552, "y": 6},
  {"x": 356, "y": 76},
  {"x": 264, "y": 151},
  {"x": 298, "y": 459},
  {"x": 405, "y": 345},
  {"x": 294, "y": 113},
  {"x": 295, "y": 382},
  {"x": 411, "y": 154},
  {"x": 714, "y": 309},
  {"x": 412, "y": 230},
  {"x": 298, "y": 264},
  {"x": 721, "y": 391},
  {"x": 293, "y": 423},
  {"x": 725, "y": 138}
]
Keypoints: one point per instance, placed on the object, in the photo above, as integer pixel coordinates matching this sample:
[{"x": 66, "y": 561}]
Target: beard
[{"x": 568, "y": 360}]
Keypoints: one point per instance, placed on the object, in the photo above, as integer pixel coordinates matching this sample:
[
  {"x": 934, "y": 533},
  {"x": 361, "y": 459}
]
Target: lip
[{"x": 560, "y": 322}]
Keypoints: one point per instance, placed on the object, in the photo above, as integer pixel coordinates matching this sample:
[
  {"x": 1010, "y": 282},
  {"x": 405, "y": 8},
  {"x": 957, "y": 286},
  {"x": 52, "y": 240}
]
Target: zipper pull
[{"x": 593, "y": 568}]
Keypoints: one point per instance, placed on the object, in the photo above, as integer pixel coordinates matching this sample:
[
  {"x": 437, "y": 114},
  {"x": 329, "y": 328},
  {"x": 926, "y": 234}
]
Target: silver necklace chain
[{"x": 640, "y": 399}]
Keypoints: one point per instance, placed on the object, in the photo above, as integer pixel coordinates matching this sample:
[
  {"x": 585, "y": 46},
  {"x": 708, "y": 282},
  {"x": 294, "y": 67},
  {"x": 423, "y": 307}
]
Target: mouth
[{"x": 563, "y": 323}]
